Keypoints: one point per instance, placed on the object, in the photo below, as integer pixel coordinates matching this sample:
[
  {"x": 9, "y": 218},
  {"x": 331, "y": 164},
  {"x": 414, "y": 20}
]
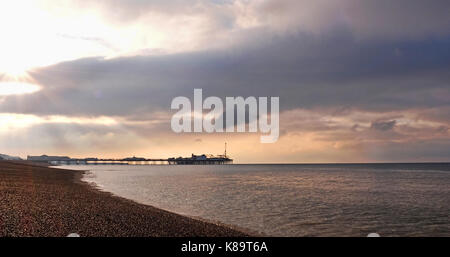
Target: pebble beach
[{"x": 39, "y": 201}]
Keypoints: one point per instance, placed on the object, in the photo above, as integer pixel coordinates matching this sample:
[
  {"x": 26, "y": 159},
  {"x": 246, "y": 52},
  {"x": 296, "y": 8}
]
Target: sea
[{"x": 293, "y": 199}]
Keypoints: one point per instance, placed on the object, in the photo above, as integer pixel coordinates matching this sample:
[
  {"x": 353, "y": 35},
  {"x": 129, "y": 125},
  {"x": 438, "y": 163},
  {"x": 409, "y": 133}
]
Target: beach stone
[{"x": 38, "y": 201}]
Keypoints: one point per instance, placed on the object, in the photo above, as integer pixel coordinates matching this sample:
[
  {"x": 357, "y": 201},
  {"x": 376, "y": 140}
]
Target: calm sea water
[{"x": 295, "y": 200}]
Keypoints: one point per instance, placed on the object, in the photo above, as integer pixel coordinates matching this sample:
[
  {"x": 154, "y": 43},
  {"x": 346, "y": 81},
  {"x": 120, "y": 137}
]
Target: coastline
[{"x": 40, "y": 201}]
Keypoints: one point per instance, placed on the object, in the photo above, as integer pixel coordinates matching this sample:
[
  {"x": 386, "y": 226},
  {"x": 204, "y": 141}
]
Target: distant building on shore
[
  {"x": 10, "y": 158},
  {"x": 47, "y": 158},
  {"x": 50, "y": 159}
]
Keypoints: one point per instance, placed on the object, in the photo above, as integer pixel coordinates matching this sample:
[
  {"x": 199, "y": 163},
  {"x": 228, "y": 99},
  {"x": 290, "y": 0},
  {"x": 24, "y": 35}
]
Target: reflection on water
[{"x": 295, "y": 200}]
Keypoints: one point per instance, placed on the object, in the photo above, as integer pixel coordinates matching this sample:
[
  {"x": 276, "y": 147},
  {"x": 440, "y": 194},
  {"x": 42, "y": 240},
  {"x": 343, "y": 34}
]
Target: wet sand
[{"x": 39, "y": 201}]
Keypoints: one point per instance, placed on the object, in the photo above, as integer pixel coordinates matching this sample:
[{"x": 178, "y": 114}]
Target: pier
[
  {"x": 193, "y": 160},
  {"x": 202, "y": 159}
]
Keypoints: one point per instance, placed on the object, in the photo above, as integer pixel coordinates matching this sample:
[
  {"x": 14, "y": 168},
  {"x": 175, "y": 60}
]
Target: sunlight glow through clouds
[
  {"x": 11, "y": 121},
  {"x": 31, "y": 37},
  {"x": 17, "y": 88},
  {"x": 36, "y": 33}
]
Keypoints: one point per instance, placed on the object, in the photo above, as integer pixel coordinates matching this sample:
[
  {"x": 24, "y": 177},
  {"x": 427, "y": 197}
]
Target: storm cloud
[{"x": 306, "y": 71}]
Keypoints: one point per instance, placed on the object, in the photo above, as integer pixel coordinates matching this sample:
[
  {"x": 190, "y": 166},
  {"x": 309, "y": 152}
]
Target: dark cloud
[
  {"x": 305, "y": 70},
  {"x": 383, "y": 125},
  {"x": 367, "y": 19}
]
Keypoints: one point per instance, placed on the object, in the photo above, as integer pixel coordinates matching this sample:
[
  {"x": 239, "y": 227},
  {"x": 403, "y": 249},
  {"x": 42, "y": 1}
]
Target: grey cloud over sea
[
  {"x": 401, "y": 19},
  {"x": 305, "y": 70}
]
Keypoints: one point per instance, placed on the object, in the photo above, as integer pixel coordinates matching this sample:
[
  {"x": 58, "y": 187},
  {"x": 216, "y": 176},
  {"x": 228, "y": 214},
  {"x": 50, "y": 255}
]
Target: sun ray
[{"x": 17, "y": 88}]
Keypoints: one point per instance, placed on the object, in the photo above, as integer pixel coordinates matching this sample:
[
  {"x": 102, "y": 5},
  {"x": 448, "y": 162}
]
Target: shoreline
[
  {"x": 96, "y": 187},
  {"x": 41, "y": 201}
]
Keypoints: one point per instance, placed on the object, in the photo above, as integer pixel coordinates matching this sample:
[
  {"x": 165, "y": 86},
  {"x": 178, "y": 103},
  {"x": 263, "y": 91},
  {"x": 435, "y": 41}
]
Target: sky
[{"x": 358, "y": 81}]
